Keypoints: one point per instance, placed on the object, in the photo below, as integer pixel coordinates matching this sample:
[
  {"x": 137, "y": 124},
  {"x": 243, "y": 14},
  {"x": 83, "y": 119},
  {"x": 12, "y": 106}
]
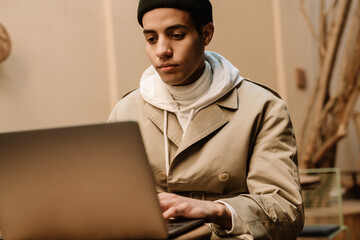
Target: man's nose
[{"x": 163, "y": 48}]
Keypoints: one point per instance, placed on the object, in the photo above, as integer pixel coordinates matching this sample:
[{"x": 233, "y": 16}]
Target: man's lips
[{"x": 167, "y": 67}]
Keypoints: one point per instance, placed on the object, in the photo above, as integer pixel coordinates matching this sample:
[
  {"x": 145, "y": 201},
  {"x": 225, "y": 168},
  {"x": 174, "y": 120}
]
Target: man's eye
[
  {"x": 177, "y": 36},
  {"x": 151, "y": 39}
]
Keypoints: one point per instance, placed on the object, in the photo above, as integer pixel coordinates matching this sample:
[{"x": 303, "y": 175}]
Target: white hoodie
[{"x": 219, "y": 78}]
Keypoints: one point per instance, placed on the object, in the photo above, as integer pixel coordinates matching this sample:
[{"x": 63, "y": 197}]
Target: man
[{"x": 220, "y": 146}]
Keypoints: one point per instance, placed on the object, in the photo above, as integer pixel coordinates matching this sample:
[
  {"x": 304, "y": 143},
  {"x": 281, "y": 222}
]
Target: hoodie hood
[{"x": 225, "y": 77}]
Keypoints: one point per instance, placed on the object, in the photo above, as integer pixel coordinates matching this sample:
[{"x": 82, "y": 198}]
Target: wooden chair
[{"x": 323, "y": 204}]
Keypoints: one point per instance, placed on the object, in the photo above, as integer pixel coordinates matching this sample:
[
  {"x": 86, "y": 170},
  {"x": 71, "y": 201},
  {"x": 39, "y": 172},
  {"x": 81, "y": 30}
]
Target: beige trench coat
[{"x": 240, "y": 149}]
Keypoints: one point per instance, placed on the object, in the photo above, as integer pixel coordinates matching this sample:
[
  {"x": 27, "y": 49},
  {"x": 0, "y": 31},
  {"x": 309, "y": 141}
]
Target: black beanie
[{"x": 200, "y": 9}]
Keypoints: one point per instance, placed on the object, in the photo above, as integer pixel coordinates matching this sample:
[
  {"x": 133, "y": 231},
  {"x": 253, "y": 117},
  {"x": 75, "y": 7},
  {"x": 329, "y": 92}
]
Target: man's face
[{"x": 174, "y": 47}]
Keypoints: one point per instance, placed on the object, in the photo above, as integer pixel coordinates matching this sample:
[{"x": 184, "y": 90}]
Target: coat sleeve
[{"x": 273, "y": 208}]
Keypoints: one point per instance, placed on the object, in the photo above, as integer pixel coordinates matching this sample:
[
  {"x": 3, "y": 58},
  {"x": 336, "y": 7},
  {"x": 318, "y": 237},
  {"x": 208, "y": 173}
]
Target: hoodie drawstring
[
  {"x": 166, "y": 143},
  {"x": 191, "y": 115}
]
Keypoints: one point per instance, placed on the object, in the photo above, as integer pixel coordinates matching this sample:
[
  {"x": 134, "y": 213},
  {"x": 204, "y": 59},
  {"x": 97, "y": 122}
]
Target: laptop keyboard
[
  {"x": 172, "y": 226},
  {"x": 180, "y": 226}
]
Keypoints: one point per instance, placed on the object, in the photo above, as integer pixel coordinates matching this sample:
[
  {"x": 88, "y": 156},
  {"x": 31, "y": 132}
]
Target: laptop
[{"x": 83, "y": 182}]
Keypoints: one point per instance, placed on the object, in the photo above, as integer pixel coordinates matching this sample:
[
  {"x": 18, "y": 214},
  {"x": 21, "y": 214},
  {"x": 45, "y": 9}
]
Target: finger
[
  {"x": 165, "y": 201},
  {"x": 168, "y": 200},
  {"x": 169, "y": 213},
  {"x": 179, "y": 210}
]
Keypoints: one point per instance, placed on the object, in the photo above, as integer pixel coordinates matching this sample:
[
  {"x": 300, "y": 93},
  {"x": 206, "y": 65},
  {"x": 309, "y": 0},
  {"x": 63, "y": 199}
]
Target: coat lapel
[
  {"x": 204, "y": 123},
  {"x": 156, "y": 115},
  {"x": 208, "y": 120}
]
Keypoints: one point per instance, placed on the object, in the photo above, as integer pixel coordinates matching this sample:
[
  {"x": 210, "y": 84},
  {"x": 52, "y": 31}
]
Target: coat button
[
  {"x": 224, "y": 176},
  {"x": 161, "y": 175}
]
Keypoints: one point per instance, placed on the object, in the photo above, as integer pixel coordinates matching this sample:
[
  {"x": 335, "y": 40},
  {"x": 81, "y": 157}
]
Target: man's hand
[{"x": 174, "y": 206}]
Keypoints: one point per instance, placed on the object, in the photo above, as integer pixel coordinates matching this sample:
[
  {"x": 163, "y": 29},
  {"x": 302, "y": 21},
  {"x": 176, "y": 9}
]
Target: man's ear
[{"x": 207, "y": 33}]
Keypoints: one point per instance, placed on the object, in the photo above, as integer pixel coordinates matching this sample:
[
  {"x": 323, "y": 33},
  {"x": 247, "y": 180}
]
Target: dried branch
[
  {"x": 332, "y": 8},
  {"x": 324, "y": 80},
  {"x": 5, "y": 43},
  {"x": 331, "y": 53},
  {"x": 322, "y": 32},
  {"x": 341, "y": 131},
  {"x": 356, "y": 119},
  {"x": 310, "y": 149},
  {"x": 350, "y": 61},
  {"x": 312, "y": 30},
  {"x": 327, "y": 116}
]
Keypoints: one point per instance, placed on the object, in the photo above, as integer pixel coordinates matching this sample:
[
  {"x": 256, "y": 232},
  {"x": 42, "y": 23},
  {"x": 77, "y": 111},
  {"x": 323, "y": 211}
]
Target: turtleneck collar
[{"x": 186, "y": 95}]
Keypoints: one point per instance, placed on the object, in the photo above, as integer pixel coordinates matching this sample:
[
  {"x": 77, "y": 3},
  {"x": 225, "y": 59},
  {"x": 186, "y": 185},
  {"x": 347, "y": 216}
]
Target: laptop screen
[{"x": 84, "y": 182}]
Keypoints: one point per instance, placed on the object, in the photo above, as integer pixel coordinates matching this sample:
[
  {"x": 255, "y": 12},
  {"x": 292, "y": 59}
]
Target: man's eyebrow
[
  {"x": 176, "y": 26},
  {"x": 145, "y": 31}
]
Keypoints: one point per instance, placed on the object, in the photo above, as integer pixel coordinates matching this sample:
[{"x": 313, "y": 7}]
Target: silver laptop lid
[{"x": 86, "y": 182}]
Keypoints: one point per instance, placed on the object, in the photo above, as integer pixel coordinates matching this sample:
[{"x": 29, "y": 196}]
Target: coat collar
[{"x": 230, "y": 100}]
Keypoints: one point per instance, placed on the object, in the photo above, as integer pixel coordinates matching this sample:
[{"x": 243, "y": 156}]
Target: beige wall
[
  {"x": 57, "y": 71},
  {"x": 129, "y": 47},
  {"x": 244, "y": 34},
  {"x": 73, "y": 59}
]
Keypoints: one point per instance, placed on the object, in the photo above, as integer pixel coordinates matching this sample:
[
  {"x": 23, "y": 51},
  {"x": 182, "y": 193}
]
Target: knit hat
[{"x": 200, "y": 9}]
